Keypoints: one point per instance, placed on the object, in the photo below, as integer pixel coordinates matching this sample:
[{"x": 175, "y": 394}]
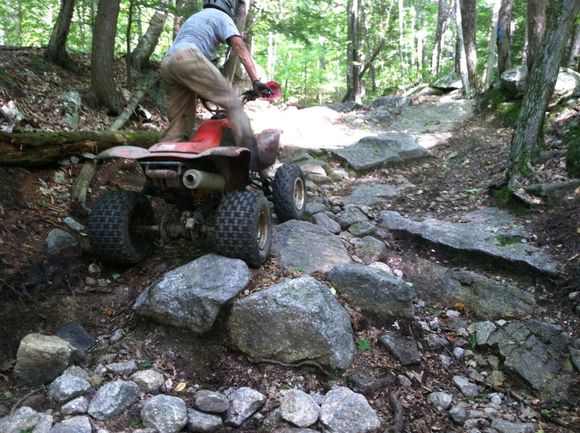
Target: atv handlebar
[{"x": 274, "y": 94}]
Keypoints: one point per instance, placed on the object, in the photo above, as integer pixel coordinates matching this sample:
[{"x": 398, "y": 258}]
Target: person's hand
[{"x": 261, "y": 88}]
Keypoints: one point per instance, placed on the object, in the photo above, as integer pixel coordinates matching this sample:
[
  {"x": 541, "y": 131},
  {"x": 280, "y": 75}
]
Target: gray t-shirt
[{"x": 204, "y": 30}]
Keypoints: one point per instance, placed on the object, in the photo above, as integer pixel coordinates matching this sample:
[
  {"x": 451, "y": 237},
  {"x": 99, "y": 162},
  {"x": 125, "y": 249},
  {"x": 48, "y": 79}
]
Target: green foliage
[
  {"x": 25, "y": 430},
  {"x": 473, "y": 341},
  {"x": 364, "y": 345},
  {"x": 145, "y": 364},
  {"x": 572, "y": 139}
]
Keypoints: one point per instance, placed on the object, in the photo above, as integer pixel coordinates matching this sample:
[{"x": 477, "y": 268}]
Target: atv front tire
[
  {"x": 289, "y": 193},
  {"x": 243, "y": 227},
  {"x": 116, "y": 227}
]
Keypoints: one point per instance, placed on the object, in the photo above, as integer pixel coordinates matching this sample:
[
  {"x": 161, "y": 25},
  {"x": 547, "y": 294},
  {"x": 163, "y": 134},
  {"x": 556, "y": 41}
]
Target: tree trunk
[
  {"x": 527, "y": 136},
  {"x": 146, "y": 45},
  {"x": 442, "y": 19},
  {"x": 148, "y": 82},
  {"x": 353, "y": 78},
  {"x": 574, "y": 56},
  {"x": 504, "y": 36},
  {"x": 232, "y": 62},
  {"x": 536, "y": 26},
  {"x": 461, "y": 55},
  {"x": 492, "y": 49},
  {"x": 468, "y": 14},
  {"x": 33, "y": 149},
  {"x": 402, "y": 37},
  {"x": 56, "y": 50},
  {"x": 102, "y": 79}
]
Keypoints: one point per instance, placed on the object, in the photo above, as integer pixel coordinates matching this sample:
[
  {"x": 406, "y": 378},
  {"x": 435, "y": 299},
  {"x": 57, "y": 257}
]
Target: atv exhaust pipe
[{"x": 197, "y": 179}]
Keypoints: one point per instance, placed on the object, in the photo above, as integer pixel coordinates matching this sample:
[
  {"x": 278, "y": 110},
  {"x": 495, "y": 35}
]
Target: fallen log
[
  {"x": 134, "y": 102},
  {"x": 34, "y": 149}
]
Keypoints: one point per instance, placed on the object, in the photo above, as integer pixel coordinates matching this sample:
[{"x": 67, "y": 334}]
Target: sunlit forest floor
[{"x": 40, "y": 293}]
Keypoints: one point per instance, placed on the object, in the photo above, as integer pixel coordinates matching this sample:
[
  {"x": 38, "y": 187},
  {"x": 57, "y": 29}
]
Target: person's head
[{"x": 230, "y": 7}]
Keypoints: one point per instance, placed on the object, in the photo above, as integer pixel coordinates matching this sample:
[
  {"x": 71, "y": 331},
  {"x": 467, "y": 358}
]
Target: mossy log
[{"x": 34, "y": 149}]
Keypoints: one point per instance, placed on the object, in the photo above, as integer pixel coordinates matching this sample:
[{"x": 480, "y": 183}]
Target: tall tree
[
  {"x": 56, "y": 50},
  {"x": 353, "y": 53},
  {"x": 504, "y": 35},
  {"x": 468, "y": 14},
  {"x": 527, "y": 136},
  {"x": 443, "y": 14},
  {"x": 536, "y": 26},
  {"x": 102, "y": 55},
  {"x": 492, "y": 49},
  {"x": 460, "y": 54},
  {"x": 243, "y": 21},
  {"x": 573, "y": 61},
  {"x": 147, "y": 43}
]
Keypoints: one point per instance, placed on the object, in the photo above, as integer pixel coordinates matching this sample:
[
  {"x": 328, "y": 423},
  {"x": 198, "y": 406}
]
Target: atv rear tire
[
  {"x": 243, "y": 227},
  {"x": 289, "y": 193},
  {"x": 114, "y": 227}
]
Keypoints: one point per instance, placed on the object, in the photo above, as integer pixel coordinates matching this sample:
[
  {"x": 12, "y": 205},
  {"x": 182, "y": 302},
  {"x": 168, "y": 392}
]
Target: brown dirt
[{"x": 40, "y": 293}]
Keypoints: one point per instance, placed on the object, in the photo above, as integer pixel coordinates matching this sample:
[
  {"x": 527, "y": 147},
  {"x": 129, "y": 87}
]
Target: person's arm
[{"x": 239, "y": 46}]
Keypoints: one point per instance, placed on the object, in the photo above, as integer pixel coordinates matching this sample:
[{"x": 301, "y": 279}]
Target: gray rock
[
  {"x": 148, "y": 380},
  {"x": 124, "y": 368},
  {"x": 312, "y": 209},
  {"x": 44, "y": 424},
  {"x": 77, "y": 336},
  {"x": 467, "y": 388},
  {"x": 299, "y": 408},
  {"x": 450, "y": 81},
  {"x": 483, "y": 330},
  {"x": 375, "y": 292},
  {"x": 344, "y": 106},
  {"x": 435, "y": 341},
  {"x": 58, "y": 240},
  {"x": 482, "y": 238},
  {"x": 67, "y": 387},
  {"x": 293, "y": 321},
  {"x": 351, "y": 215},
  {"x": 295, "y": 430},
  {"x": 391, "y": 102},
  {"x": 344, "y": 411},
  {"x": 372, "y": 195},
  {"x": 567, "y": 85},
  {"x": 495, "y": 398},
  {"x": 77, "y": 424},
  {"x": 503, "y": 426},
  {"x": 192, "y": 295},
  {"x": 458, "y": 353},
  {"x": 75, "y": 370},
  {"x": 446, "y": 361},
  {"x": 323, "y": 220},
  {"x": 514, "y": 80},
  {"x": 370, "y": 249},
  {"x": 388, "y": 148},
  {"x": 362, "y": 229},
  {"x": 211, "y": 401},
  {"x": 24, "y": 418},
  {"x": 380, "y": 115},
  {"x": 458, "y": 414},
  {"x": 200, "y": 422},
  {"x": 305, "y": 247},
  {"x": 403, "y": 348},
  {"x": 538, "y": 353},
  {"x": 404, "y": 381},
  {"x": 164, "y": 413},
  {"x": 440, "y": 400},
  {"x": 41, "y": 358},
  {"x": 72, "y": 102},
  {"x": 78, "y": 406},
  {"x": 244, "y": 402},
  {"x": 112, "y": 399},
  {"x": 73, "y": 224}
]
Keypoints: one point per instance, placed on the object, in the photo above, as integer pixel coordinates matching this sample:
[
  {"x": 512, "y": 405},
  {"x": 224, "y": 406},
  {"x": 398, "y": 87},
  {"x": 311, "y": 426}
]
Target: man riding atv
[{"x": 187, "y": 71}]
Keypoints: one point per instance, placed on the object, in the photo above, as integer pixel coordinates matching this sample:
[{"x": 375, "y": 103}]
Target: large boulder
[
  {"x": 514, "y": 80},
  {"x": 294, "y": 321},
  {"x": 376, "y": 151},
  {"x": 42, "y": 358},
  {"x": 192, "y": 295},
  {"x": 305, "y": 247},
  {"x": 448, "y": 82},
  {"x": 374, "y": 292},
  {"x": 567, "y": 85},
  {"x": 488, "y": 232}
]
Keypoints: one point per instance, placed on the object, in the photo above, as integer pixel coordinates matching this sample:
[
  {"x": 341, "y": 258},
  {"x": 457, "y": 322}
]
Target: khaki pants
[{"x": 187, "y": 74}]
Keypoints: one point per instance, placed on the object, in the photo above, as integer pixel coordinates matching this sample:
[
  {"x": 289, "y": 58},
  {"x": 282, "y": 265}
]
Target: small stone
[
  {"x": 244, "y": 402},
  {"x": 77, "y": 424},
  {"x": 458, "y": 414},
  {"x": 73, "y": 224},
  {"x": 116, "y": 335},
  {"x": 401, "y": 347},
  {"x": 435, "y": 341},
  {"x": 200, "y": 422},
  {"x": 446, "y": 361},
  {"x": 344, "y": 411},
  {"x": 25, "y": 418},
  {"x": 67, "y": 387},
  {"x": 440, "y": 400},
  {"x": 299, "y": 408},
  {"x": 75, "y": 370},
  {"x": 148, "y": 380},
  {"x": 495, "y": 398},
  {"x": 165, "y": 413},
  {"x": 467, "y": 388},
  {"x": 94, "y": 269},
  {"x": 211, "y": 401},
  {"x": 503, "y": 426},
  {"x": 112, "y": 399},
  {"x": 404, "y": 380},
  {"x": 458, "y": 353},
  {"x": 483, "y": 330},
  {"x": 78, "y": 406},
  {"x": 124, "y": 368}
]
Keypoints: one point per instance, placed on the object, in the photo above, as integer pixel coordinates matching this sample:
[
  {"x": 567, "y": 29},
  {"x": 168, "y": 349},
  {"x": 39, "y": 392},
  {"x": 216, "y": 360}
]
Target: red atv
[{"x": 214, "y": 192}]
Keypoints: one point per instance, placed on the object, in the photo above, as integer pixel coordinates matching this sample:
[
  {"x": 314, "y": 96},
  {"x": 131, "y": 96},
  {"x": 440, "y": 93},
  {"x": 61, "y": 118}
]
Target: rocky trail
[{"x": 409, "y": 300}]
